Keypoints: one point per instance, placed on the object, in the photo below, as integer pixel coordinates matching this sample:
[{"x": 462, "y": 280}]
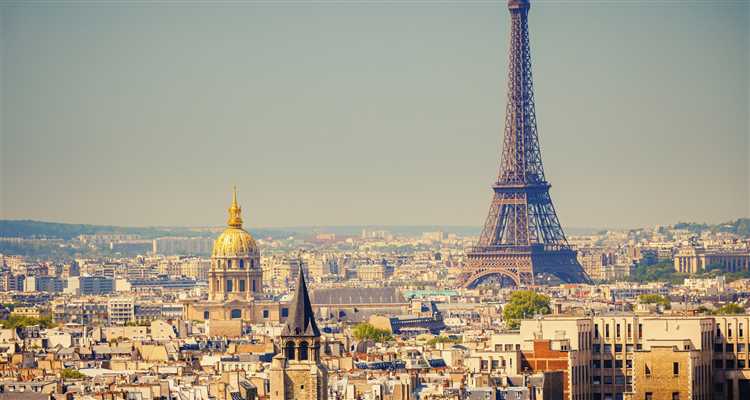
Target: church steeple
[
  {"x": 296, "y": 372},
  {"x": 301, "y": 321}
]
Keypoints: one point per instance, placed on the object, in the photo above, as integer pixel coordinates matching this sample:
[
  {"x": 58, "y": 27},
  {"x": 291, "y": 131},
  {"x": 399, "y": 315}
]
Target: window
[
  {"x": 236, "y": 313},
  {"x": 242, "y": 264},
  {"x": 648, "y": 396},
  {"x": 741, "y": 330},
  {"x": 205, "y": 314},
  {"x": 495, "y": 364},
  {"x": 730, "y": 364},
  {"x": 229, "y": 285},
  {"x": 596, "y": 380},
  {"x": 303, "y": 351},
  {"x": 596, "y": 331},
  {"x": 628, "y": 363},
  {"x": 740, "y": 347},
  {"x": 606, "y": 330},
  {"x": 639, "y": 346},
  {"x": 618, "y": 348},
  {"x": 718, "y": 348},
  {"x": 676, "y": 368},
  {"x": 718, "y": 364},
  {"x": 640, "y": 330},
  {"x": 619, "y": 380},
  {"x": 629, "y": 348},
  {"x": 617, "y": 330},
  {"x": 675, "y": 395},
  {"x": 265, "y": 313},
  {"x": 647, "y": 370},
  {"x": 254, "y": 288},
  {"x": 607, "y": 363},
  {"x": 730, "y": 348},
  {"x": 618, "y": 363},
  {"x": 607, "y": 379},
  {"x": 741, "y": 364},
  {"x": 484, "y": 365},
  {"x": 607, "y": 348},
  {"x": 229, "y": 263},
  {"x": 597, "y": 348},
  {"x": 630, "y": 330},
  {"x": 597, "y": 363},
  {"x": 242, "y": 285},
  {"x": 284, "y": 312},
  {"x": 290, "y": 350}
]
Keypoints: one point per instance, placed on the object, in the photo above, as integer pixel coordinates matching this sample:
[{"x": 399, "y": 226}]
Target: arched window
[
  {"x": 242, "y": 264},
  {"x": 289, "y": 350},
  {"x": 236, "y": 313},
  {"x": 303, "y": 351},
  {"x": 205, "y": 314},
  {"x": 229, "y": 263}
]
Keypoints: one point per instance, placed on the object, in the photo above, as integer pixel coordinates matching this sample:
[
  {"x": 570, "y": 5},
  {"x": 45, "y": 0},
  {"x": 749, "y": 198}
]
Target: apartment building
[
  {"x": 121, "y": 311},
  {"x": 629, "y": 357}
]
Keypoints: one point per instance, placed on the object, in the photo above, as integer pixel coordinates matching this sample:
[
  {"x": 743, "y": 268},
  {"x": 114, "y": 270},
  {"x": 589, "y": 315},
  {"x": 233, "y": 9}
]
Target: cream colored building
[{"x": 695, "y": 259}]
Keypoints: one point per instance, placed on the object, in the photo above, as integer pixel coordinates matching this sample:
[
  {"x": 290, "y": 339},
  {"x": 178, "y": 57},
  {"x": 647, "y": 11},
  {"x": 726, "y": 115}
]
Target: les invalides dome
[{"x": 234, "y": 242}]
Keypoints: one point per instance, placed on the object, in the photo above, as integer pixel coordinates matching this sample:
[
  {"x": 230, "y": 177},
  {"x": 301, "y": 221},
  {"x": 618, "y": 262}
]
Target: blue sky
[{"x": 331, "y": 113}]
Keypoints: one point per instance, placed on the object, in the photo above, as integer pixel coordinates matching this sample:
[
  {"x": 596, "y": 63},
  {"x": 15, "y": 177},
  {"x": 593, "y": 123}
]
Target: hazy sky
[{"x": 329, "y": 113}]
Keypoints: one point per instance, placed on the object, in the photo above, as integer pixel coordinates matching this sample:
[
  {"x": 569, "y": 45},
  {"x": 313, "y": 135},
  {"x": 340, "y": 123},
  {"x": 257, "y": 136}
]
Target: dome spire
[{"x": 235, "y": 219}]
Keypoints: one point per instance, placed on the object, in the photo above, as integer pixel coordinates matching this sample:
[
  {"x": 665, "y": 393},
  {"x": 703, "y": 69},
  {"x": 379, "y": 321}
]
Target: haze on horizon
[{"x": 369, "y": 113}]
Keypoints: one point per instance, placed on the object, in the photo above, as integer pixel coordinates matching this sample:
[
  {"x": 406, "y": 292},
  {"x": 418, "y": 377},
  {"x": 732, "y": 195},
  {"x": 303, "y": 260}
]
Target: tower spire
[
  {"x": 235, "y": 212},
  {"x": 301, "y": 321}
]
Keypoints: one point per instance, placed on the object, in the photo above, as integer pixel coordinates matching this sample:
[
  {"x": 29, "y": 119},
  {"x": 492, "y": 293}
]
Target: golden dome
[{"x": 234, "y": 241}]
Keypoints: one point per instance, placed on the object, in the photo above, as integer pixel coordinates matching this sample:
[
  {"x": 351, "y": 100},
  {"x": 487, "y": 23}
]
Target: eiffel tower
[{"x": 522, "y": 237}]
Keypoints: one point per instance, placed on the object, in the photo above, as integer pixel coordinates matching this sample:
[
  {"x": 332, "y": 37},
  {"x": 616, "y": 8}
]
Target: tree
[
  {"x": 663, "y": 271},
  {"x": 524, "y": 304},
  {"x": 69, "y": 373},
  {"x": 730, "y": 309},
  {"x": 19, "y": 321},
  {"x": 655, "y": 299},
  {"x": 365, "y": 331},
  {"x": 443, "y": 339}
]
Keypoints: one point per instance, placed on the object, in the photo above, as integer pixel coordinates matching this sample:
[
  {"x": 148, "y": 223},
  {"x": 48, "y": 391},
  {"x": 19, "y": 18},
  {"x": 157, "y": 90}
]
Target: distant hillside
[
  {"x": 739, "y": 227},
  {"x": 29, "y": 228}
]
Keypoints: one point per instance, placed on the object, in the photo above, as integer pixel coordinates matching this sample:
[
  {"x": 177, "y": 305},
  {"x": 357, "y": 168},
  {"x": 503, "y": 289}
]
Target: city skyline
[{"x": 398, "y": 126}]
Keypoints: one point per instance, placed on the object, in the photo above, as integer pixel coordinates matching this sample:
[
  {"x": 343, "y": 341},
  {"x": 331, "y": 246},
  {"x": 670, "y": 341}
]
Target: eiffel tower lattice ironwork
[{"x": 522, "y": 236}]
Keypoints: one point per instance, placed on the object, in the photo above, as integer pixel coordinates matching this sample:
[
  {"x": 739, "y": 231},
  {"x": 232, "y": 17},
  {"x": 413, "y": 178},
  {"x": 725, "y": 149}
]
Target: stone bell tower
[{"x": 297, "y": 373}]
